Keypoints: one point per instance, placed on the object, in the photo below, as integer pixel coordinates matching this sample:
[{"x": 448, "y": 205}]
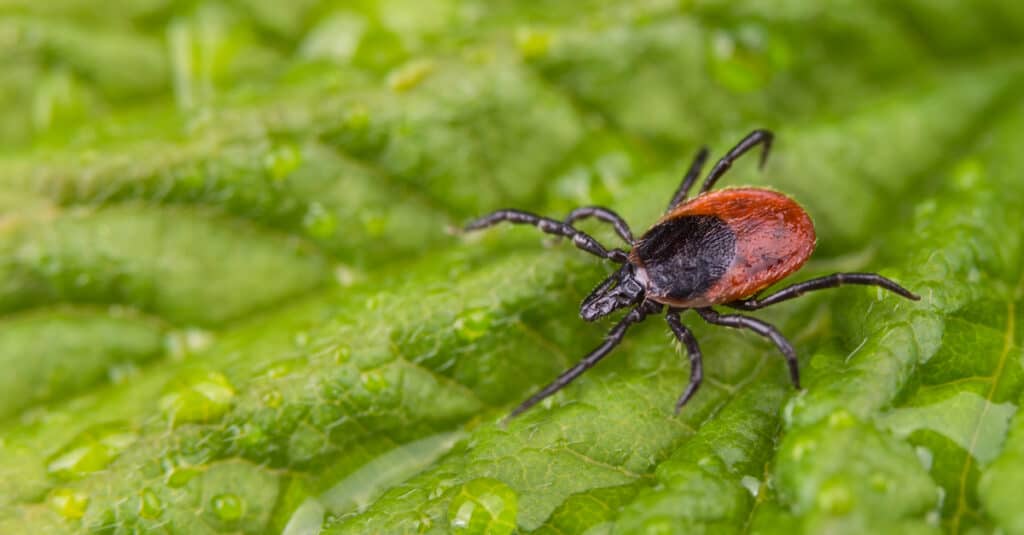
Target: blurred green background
[{"x": 231, "y": 301}]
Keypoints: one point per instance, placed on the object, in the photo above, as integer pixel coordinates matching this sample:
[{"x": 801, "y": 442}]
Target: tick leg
[
  {"x": 689, "y": 178},
  {"x": 612, "y": 339},
  {"x": 821, "y": 283},
  {"x": 763, "y": 137},
  {"x": 604, "y": 214},
  {"x": 693, "y": 350},
  {"x": 739, "y": 321},
  {"x": 580, "y": 239}
]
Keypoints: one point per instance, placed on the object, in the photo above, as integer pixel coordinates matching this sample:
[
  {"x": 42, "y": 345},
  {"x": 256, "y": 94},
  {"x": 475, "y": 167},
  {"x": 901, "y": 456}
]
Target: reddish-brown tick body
[{"x": 723, "y": 246}]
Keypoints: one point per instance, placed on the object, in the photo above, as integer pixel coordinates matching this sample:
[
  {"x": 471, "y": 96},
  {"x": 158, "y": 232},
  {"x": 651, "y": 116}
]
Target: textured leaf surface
[{"x": 231, "y": 302}]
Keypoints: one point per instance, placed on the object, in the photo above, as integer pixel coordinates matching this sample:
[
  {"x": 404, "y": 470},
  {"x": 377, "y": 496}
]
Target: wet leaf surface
[{"x": 232, "y": 304}]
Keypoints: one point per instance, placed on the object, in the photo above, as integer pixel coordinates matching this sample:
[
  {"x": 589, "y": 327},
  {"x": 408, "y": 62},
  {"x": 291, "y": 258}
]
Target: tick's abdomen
[{"x": 724, "y": 246}]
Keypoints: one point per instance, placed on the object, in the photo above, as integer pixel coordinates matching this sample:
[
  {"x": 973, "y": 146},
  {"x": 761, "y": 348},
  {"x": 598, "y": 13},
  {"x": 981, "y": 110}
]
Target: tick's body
[{"x": 721, "y": 248}]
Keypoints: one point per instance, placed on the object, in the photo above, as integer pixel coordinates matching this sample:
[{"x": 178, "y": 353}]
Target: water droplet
[
  {"x": 180, "y": 476},
  {"x": 342, "y": 354},
  {"x": 345, "y": 275},
  {"x": 150, "y": 505},
  {"x": 410, "y": 75},
  {"x": 284, "y": 367},
  {"x": 197, "y": 397},
  {"x": 752, "y": 484},
  {"x": 835, "y": 498},
  {"x": 318, "y": 222},
  {"x": 841, "y": 420},
  {"x": 925, "y": 456},
  {"x": 69, "y": 503},
  {"x": 185, "y": 342},
  {"x": 473, "y": 323},
  {"x": 228, "y": 507},
  {"x": 272, "y": 399},
  {"x": 484, "y": 506},
  {"x": 533, "y": 43},
  {"x": 91, "y": 450},
  {"x": 282, "y": 160},
  {"x": 374, "y": 382}
]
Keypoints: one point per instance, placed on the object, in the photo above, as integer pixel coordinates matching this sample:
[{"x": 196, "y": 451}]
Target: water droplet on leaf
[
  {"x": 198, "y": 397},
  {"x": 91, "y": 450},
  {"x": 228, "y": 507},
  {"x": 68, "y": 503}
]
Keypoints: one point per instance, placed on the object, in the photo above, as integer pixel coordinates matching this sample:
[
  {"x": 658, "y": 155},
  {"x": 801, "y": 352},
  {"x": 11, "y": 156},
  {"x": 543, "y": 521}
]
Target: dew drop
[
  {"x": 319, "y": 222},
  {"x": 752, "y": 484},
  {"x": 68, "y": 503},
  {"x": 197, "y": 397},
  {"x": 835, "y": 499},
  {"x": 228, "y": 507},
  {"x": 91, "y": 450},
  {"x": 484, "y": 506},
  {"x": 150, "y": 505},
  {"x": 180, "y": 476},
  {"x": 473, "y": 323},
  {"x": 282, "y": 160},
  {"x": 374, "y": 382}
]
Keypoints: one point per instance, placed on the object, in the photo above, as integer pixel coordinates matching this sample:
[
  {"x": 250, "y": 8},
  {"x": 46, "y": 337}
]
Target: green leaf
[{"x": 232, "y": 301}]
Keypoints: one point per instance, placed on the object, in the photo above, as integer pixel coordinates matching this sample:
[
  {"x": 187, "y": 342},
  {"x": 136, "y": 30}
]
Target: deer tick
[{"x": 719, "y": 248}]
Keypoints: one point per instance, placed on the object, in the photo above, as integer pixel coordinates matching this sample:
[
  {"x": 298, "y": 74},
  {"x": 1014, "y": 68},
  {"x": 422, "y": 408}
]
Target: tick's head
[{"x": 620, "y": 290}]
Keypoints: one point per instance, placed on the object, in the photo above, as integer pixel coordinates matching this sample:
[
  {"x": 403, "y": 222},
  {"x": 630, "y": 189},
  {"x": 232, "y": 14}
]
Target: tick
[{"x": 721, "y": 248}]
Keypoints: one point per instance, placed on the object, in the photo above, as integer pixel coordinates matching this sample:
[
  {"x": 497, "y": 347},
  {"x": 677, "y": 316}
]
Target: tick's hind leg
[
  {"x": 689, "y": 178},
  {"x": 753, "y": 139},
  {"x": 604, "y": 214},
  {"x": 821, "y": 283},
  {"x": 693, "y": 351},
  {"x": 612, "y": 339},
  {"x": 739, "y": 321},
  {"x": 581, "y": 240}
]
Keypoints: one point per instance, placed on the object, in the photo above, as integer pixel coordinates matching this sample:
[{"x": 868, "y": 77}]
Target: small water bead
[
  {"x": 198, "y": 397},
  {"x": 484, "y": 506},
  {"x": 473, "y": 323},
  {"x": 374, "y": 382},
  {"x": 228, "y": 507},
  {"x": 91, "y": 450},
  {"x": 68, "y": 503}
]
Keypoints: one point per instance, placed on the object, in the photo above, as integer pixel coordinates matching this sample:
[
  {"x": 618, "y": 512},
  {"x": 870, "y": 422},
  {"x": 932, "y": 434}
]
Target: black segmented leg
[
  {"x": 696, "y": 359},
  {"x": 580, "y": 239},
  {"x": 753, "y": 139},
  {"x": 821, "y": 283},
  {"x": 604, "y": 214},
  {"x": 739, "y": 321},
  {"x": 612, "y": 339},
  {"x": 689, "y": 178}
]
